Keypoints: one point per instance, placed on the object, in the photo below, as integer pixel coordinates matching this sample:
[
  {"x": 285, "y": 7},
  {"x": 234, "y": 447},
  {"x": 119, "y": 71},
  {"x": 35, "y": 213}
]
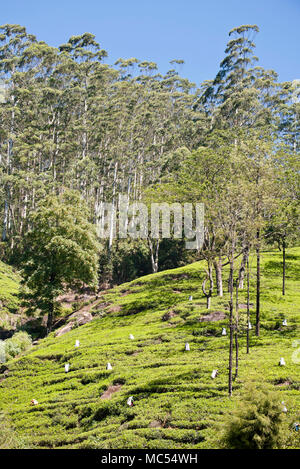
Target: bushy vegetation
[
  {"x": 8, "y": 437},
  {"x": 256, "y": 423},
  {"x": 9, "y": 287},
  {"x": 176, "y": 402},
  {"x": 60, "y": 252},
  {"x": 20, "y": 342},
  {"x": 9, "y": 300}
]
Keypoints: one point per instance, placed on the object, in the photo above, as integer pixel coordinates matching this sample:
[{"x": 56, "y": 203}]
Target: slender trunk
[
  {"x": 230, "y": 329},
  {"x": 50, "y": 319},
  {"x": 257, "y": 325},
  {"x": 209, "y": 276},
  {"x": 219, "y": 280},
  {"x": 5, "y": 219},
  {"x": 230, "y": 279},
  {"x": 154, "y": 255},
  {"x": 283, "y": 266},
  {"x": 141, "y": 177},
  {"x": 8, "y": 196},
  {"x": 112, "y": 220},
  {"x": 243, "y": 267},
  {"x": 237, "y": 331},
  {"x": 248, "y": 305}
]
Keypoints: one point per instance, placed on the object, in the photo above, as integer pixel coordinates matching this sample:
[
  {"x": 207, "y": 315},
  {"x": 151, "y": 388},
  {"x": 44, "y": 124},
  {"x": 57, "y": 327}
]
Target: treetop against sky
[{"x": 194, "y": 30}]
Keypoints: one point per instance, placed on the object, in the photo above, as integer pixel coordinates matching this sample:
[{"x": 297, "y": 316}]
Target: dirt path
[{"x": 110, "y": 391}]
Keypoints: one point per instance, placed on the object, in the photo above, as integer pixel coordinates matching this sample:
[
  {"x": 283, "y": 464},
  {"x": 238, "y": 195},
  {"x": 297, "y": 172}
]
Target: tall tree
[{"x": 61, "y": 251}]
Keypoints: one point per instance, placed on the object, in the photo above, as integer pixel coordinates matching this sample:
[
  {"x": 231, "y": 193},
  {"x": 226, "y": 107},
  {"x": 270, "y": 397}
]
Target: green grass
[
  {"x": 9, "y": 287},
  {"x": 177, "y": 404}
]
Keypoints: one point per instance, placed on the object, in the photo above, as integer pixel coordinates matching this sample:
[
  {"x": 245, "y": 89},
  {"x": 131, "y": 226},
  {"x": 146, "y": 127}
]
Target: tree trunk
[
  {"x": 248, "y": 305},
  {"x": 209, "y": 276},
  {"x": 50, "y": 319},
  {"x": 154, "y": 256},
  {"x": 237, "y": 331},
  {"x": 219, "y": 280},
  {"x": 230, "y": 329},
  {"x": 230, "y": 280},
  {"x": 257, "y": 325},
  {"x": 112, "y": 224},
  {"x": 283, "y": 266},
  {"x": 5, "y": 220},
  {"x": 243, "y": 267}
]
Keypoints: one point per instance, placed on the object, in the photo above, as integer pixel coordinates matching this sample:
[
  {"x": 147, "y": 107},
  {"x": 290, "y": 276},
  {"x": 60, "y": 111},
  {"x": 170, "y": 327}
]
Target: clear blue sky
[{"x": 162, "y": 30}]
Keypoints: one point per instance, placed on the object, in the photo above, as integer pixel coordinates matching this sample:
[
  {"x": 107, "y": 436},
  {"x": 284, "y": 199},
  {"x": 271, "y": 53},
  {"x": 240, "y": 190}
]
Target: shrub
[
  {"x": 8, "y": 437},
  {"x": 257, "y": 422},
  {"x": 11, "y": 349},
  {"x": 18, "y": 343}
]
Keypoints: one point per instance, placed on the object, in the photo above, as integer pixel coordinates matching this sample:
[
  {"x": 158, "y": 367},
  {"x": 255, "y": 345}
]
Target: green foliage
[
  {"x": 8, "y": 437},
  {"x": 9, "y": 297},
  {"x": 176, "y": 402},
  {"x": 20, "y": 342},
  {"x": 9, "y": 287},
  {"x": 257, "y": 423},
  {"x": 61, "y": 250},
  {"x": 68, "y": 120},
  {"x": 128, "y": 260}
]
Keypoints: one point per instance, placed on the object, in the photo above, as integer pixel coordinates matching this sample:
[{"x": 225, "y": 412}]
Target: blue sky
[{"x": 193, "y": 30}]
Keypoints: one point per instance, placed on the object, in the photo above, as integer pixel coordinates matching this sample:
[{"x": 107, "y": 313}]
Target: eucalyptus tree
[
  {"x": 247, "y": 99},
  {"x": 13, "y": 40},
  {"x": 106, "y": 131},
  {"x": 86, "y": 56},
  {"x": 227, "y": 97},
  {"x": 283, "y": 222},
  {"x": 289, "y": 124}
]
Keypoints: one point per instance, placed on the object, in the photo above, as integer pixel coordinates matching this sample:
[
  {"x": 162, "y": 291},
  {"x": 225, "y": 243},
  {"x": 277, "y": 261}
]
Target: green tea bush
[
  {"x": 176, "y": 402},
  {"x": 8, "y": 437}
]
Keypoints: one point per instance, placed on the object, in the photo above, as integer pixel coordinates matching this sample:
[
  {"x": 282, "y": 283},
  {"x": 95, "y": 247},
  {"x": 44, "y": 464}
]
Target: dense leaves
[
  {"x": 60, "y": 251},
  {"x": 257, "y": 422}
]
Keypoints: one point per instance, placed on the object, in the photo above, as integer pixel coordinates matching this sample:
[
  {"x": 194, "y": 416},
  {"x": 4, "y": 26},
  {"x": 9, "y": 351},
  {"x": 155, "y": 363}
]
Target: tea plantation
[
  {"x": 9, "y": 302},
  {"x": 177, "y": 404}
]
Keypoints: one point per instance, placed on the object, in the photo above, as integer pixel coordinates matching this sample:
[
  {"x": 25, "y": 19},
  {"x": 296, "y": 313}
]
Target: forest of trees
[{"x": 70, "y": 121}]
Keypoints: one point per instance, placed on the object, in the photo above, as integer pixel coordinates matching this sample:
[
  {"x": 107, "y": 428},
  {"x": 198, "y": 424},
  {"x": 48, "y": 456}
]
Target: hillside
[
  {"x": 9, "y": 303},
  {"x": 176, "y": 402}
]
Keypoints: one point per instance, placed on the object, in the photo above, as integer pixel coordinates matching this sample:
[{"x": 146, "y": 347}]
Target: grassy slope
[
  {"x": 177, "y": 404},
  {"x": 9, "y": 286}
]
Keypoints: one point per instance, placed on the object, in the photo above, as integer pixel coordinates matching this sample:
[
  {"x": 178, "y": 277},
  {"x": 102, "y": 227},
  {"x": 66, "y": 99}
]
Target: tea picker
[
  {"x": 214, "y": 374},
  {"x": 130, "y": 401},
  {"x": 281, "y": 362},
  {"x": 187, "y": 347},
  {"x": 224, "y": 331},
  {"x": 131, "y": 337},
  {"x": 284, "y": 409},
  {"x": 108, "y": 366},
  {"x": 77, "y": 343},
  {"x": 67, "y": 367}
]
